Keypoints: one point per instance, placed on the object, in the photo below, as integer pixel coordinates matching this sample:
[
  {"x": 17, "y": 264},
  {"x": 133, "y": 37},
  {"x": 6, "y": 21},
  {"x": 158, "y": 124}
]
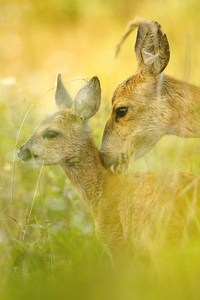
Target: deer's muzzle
[
  {"x": 117, "y": 164},
  {"x": 24, "y": 153}
]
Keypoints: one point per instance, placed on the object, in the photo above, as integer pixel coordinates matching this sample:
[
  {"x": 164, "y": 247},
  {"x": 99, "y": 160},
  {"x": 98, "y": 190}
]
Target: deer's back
[{"x": 148, "y": 210}]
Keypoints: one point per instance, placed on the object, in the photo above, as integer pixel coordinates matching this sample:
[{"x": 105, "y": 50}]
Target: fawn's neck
[
  {"x": 87, "y": 174},
  {"x": 184, "y": 108}
]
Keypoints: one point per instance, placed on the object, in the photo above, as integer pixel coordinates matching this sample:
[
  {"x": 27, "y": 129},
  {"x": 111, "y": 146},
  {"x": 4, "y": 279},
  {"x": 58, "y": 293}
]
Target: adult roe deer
[
  {"x": 129, "y": 213},
  {"x": 149, "y": 104}
]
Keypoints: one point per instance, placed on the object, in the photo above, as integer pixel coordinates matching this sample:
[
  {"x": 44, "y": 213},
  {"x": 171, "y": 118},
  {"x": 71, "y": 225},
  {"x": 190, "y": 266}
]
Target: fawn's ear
[
  {"x": 62, "y": 97},
  {"x": 87, "y": 100},
  {"x": 151, "y": 48}
]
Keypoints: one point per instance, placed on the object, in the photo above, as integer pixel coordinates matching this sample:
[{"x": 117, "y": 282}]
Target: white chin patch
[
  {"x": 119, "y": 168},
  {"x": 112, "y": 168}
]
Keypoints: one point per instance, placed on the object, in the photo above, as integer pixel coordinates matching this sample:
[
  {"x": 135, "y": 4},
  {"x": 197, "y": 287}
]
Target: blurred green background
[{"x": 47, "y": 242}]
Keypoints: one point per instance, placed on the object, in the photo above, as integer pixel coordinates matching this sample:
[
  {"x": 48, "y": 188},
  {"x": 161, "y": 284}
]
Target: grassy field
[{"x": 48, "y": 248}]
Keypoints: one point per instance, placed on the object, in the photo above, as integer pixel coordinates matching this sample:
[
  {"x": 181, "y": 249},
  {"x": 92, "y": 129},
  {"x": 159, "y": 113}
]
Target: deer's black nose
[
  {"x": 24, "y": 153},
  {"x": 106, "y": 160}
]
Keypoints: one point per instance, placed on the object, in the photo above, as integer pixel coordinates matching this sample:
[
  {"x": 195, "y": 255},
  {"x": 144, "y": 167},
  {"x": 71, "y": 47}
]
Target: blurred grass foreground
[{"x": 47, "y": 242}]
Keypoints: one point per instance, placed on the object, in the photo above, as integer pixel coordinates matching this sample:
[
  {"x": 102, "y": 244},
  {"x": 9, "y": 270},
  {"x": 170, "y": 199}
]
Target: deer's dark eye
[
  {"x": 50, "y": 134},
  {"x": 121, "y": 112}
]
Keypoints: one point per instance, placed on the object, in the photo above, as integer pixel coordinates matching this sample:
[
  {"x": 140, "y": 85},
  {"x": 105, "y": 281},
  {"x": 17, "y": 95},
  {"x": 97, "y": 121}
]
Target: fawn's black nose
[{"x": 24, "y": 153}]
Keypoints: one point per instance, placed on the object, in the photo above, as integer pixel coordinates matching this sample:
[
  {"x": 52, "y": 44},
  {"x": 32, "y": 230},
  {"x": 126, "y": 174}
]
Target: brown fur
[
  {"x": 143, "y": 212},
  {"x": 157, "y": 105}
]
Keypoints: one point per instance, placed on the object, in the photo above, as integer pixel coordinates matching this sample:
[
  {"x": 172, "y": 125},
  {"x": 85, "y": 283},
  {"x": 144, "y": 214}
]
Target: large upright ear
[
  {"x": 62, "y": 97},
  {"x": 151, "y": 48},
  {"x": 87, "y": 100}
]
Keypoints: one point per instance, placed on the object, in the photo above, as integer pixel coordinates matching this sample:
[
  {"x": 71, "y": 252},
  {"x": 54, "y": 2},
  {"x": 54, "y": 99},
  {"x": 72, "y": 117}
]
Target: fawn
[
  {"x": 129, "y": 213},
  {"x": 149, "y": 104}
]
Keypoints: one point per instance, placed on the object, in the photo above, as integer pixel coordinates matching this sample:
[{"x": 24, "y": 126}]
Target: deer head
[
  {"x": 138, "y": 118},
  {"x": 58, "y": 139}
]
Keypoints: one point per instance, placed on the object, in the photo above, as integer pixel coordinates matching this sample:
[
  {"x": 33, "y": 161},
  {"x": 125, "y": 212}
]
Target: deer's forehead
[
  {"x": 126, "y": 90},
  {"x": 123, "y": 96},
  {"x": 132, "y": 91},
  {"x": 57, "y": 120}
]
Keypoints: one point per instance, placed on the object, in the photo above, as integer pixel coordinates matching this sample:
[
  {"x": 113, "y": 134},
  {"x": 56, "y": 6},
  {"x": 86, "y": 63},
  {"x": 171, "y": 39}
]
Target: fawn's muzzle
[{"x": 24, "y": 154}]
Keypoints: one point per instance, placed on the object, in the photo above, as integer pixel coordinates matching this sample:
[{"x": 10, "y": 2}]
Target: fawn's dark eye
[
  {"x": 50, "y": 134},
  {"x": 121, "y": 112}
]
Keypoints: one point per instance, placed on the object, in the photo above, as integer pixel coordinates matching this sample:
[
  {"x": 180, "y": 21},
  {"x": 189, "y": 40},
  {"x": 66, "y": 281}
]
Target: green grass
[{"x": 48, "y": 248}]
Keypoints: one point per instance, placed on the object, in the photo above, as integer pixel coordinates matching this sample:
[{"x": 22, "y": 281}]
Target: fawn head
[
  {"x": 59, "y": 138},
  {"x": 135, "y": 123}
]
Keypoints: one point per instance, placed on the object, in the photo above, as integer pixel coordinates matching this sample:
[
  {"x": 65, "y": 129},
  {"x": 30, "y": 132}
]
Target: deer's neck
[
  {"x": 87, "y": 174},
  {"x": 183, "y": 101}
]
